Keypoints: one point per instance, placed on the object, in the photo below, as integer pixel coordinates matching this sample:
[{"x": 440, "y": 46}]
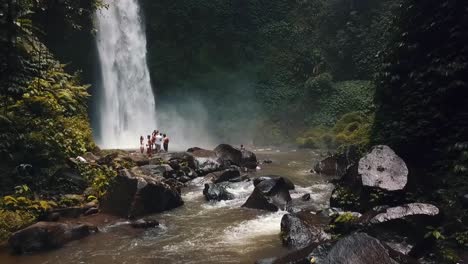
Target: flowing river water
[{"x": 199, "y": 231}]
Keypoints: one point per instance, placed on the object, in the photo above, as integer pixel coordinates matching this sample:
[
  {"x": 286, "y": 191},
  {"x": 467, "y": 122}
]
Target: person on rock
[
  {"x": 149, "y": 145},
  {"x": 166, "y": 142},
  {"x": 153, "y": 138},
  {"x": 158, "y": 142},
  {"x": 142, "y": 144},
  {"x": 242, "y": 148}
]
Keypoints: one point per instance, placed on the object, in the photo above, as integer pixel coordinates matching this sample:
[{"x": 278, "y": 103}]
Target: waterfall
[{"x": 126, "y": 101}]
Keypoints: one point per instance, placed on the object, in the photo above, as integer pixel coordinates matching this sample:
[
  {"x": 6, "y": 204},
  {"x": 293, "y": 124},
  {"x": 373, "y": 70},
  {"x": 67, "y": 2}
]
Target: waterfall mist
[
  {"x": 217, "y": 107},
  {"x": 126, "y": 103}
]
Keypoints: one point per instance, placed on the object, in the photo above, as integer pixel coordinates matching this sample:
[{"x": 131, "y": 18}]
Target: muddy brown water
[{"x": 199, "y": 231}]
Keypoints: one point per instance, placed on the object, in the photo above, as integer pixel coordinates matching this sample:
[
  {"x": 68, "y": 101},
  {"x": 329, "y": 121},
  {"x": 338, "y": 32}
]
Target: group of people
[{"x": 156, "y": 142}]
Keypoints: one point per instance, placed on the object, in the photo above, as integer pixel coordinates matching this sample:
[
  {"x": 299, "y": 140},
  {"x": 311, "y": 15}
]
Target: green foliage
[
  {"x": 421, "y": 96},
  {"x": 11, "y": 221},
  {"x": 98, "y": 178},
  {"x": 351, "y": 129}
]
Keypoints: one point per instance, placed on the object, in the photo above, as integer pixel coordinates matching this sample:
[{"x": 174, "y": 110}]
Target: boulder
[
  {"x": 270, "y": 195},
  {"x": 184, "y": 179},
  {"x": 132, "y": 195},
  {"x": 249, "y": 160},
  {"x": 337, "y": 164},
  {"x": 384, "y": 169},
  {"x": 47, "y": 235},
  {"x": 224, "y": 175},
  {"x": 189, "y": 172},
  {"x": 182, "y": 158},
  {"x": 90, "y": 157},
  {"x": 201, "y": 153},
  {"x": 216, "y": 192},
  {"x": 144, "y": 223},
  {"x": 91, "y": 211},
  {"x": 228, "y": 154},
  {"x": 300, "y": 229},
  {"x": 288, "y": 182},
  {"x": 162, "y": 170},
  {"x": 357, "y": 248},
  {"x": 108, "y": 159},
  {"x": 137, "y": 158},
  {"x": 382, "y": 215}
]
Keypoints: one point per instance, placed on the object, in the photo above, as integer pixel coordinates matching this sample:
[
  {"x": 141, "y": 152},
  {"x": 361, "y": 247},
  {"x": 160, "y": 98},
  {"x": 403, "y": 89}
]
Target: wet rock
[
  {"x": 47, "y": 235},
  {"x": 228, "y": 154},
  {"x": 249, "y": 160},
  {"x": 132, "y": 195},
  {"x": 305, "y": 197},
  {"x": 137, "y": 158},
  {"x": 208, "y": 165},
  {"x": 270, "y": 195},
  {"x": 108, "y": 159},
  {"x": 337, "y": 164},
  {"x": 52, "y": 217},
  {"x": 224, "y": 175},
  {"x": 183, "y": 158},
  {"x": 91, "y": 211},
  {"x": 184, "y": 179},
  {"x": 267, "y": 161},
  {"x": 163, "y": 170},
  {"x": 384, "y": 169},
  {"x": 382, "y": 215},
  {"x": 357, "y": 248},
  {"x": 286, "y": 181},
  {"x": 69, "y": 212},
  {"x": 216, "y": 192},
  {"x": 242, "y": 178},
  {"x": 189, "y": 172},
  {"x": 300, "y": 229},
  {"x": 144, "y": 223},
  {"x": 199, "y": 152}
]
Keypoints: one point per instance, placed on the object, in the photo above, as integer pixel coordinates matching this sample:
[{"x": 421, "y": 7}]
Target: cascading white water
[{"x": 126, "y": 104}]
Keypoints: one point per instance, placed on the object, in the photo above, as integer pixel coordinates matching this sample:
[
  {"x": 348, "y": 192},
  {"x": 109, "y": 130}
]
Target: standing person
[
  {"x": 142, "y": 144},
  {"x": 242, "y": 148},
  {"x": 153, "y": 138},
  {"x": 149, "y": 145},
  {"x": 158, "y": 142},
  {"x": 166, "y": 142}
]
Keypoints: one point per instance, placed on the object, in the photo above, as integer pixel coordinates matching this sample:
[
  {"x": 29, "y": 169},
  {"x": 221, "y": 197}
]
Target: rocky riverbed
[{"x": 231, "y": 206}]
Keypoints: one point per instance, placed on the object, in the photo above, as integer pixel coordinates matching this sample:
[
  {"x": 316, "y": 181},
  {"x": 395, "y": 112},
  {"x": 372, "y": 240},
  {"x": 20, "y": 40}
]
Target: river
[{"x": 199, "y": 231}]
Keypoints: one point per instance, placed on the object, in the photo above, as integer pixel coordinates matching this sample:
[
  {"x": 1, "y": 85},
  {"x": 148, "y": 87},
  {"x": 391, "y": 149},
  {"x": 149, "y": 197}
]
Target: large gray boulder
[
  {"x": 132, "y": 194},
  {"x": 338, "y": 164},
  {"x": 47, "y": 235},
  {"x": 356, "y": 248},
  {"x": 384, "y": 169},
  {"x": 270, "y": 195},
  {"x": 228, "y": 154},
  {"x": 404, "y": 211},
  {"x": 300, "y": 229}
]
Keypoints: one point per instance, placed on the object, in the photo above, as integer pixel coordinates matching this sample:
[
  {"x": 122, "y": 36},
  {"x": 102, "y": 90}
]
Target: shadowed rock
[
  {"x": 47, "y": 235},
  {"x": 222, "y": 176},
  {"x": 131, "y": 195},
  {"x": 216, "y": 192},
  {"x": 300, "y": 229}
]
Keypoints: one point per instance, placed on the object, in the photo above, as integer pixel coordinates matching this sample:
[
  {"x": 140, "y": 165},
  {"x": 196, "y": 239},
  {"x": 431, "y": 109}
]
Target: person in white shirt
[{"x": 158, "y": 143}]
